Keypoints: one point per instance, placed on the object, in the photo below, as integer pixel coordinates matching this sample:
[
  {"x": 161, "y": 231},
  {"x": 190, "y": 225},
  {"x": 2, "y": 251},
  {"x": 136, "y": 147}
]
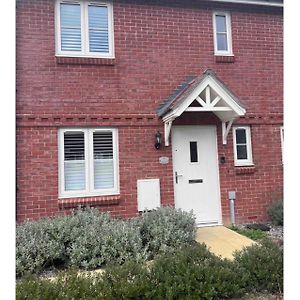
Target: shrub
[
  {"x": 48, "y": 242},
  {"x": 164, "y": 229},
  {"x": 129, "y": 281},
  {"x": 66, "y": 286},
  {"x": 262, "y": 266},
  {"x": 116, "y": 241},
  {"x": 194, "y": 273},
  {"x": 35, "y": 248},
  {"x": 89, "y": 239},
  {"x": 189, "y": 273},
  {"x": 275, "y": 212}
]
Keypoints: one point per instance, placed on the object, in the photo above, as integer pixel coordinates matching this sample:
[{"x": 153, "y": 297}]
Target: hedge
[
  {"x": 191, "y": 272},
  {"x": 89, "y": 239}
]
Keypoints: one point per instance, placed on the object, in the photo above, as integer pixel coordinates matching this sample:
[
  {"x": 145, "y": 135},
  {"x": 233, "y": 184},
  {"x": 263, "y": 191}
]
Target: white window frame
[
  {"x": 89, "y": 166},
  {"x": 84, "y": 30},
  {"x": 227, "y": 52},
  {"x": 249, "y": 160}
]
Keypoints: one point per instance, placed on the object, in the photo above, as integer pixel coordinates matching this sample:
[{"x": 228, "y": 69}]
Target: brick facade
[{"x": 157, "y": 44}]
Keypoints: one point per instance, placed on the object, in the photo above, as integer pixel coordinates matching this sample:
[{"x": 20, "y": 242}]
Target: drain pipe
[{"x": 231, "y": 197}]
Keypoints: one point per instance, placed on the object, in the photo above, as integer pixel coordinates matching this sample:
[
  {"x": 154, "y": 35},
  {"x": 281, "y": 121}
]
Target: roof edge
[{"x": 251, "y": 2}]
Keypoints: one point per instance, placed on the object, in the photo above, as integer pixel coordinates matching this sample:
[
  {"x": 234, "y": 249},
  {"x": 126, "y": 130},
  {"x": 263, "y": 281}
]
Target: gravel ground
[{"x": 261, "y": 296}]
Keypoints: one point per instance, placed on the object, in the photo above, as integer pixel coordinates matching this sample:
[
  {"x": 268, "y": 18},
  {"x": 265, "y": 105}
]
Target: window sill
[
  {"x": 85, "y": 60},
  {"x": 90, "y": 201},
  {"x": 224, "y": 58},
  {"x": 245, "y": 170}
]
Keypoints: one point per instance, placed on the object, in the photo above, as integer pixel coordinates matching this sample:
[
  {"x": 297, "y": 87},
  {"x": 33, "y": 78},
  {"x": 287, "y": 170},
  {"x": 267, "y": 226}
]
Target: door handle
[{"x": 176, "y": 176}]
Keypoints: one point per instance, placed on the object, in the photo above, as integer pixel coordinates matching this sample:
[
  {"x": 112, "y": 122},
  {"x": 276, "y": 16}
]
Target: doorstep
[{"x": 222, "y": 241}]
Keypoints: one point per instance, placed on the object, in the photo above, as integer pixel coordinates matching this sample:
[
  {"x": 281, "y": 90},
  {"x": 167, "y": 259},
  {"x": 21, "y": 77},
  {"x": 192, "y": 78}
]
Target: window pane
[
  {"x": 74, "y": 161},
  {"x": 241, "y": 152},
  {"x": 222, "y": 42},
  {"x": 103, "y": 160},
  {"x": 74, "y": 175},
  {"x": 74, "y": 145},
  {"x": 240, "y": 136},
  {"x": 103, "y": 145},
  {"x": 221, "y": 23},
  {"x": 70, "y": 23},
  {"x": 103, "y": 174},
  {"x": 193, "y": 151},
  {"x": 98, "y": 29}
]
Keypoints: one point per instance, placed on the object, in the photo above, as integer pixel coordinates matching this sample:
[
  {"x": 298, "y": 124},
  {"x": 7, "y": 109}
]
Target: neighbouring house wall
[{"x": 157, "y": 44}]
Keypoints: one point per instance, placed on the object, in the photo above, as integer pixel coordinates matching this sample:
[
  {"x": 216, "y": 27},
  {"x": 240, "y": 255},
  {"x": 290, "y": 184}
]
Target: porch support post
[
  {"x": 168, "y": 125},
  {"x": 225, "y": 130}
]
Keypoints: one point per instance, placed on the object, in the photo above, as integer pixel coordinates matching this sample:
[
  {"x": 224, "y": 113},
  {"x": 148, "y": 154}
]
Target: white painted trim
[
  {"x": 236, "y": 108},
  {"x": 168, "y": 126},
  {"x": 225, "y": 130},
  {"x": 84, "y": 30},
  {"x": 243, "y": 162},
  {"x": 89, "y": 164},
  {"x": 218, "y": 179},
  {"x": 208, "y": 108},
  {"x": 282, "y": 141},
  {"x": 263, "y": 3},
  {"x": 228, "y": 52}
]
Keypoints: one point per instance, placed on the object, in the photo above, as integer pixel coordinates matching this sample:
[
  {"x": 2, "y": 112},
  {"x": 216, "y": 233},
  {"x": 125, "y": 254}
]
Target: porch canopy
[{"x": 205, "y": 93}]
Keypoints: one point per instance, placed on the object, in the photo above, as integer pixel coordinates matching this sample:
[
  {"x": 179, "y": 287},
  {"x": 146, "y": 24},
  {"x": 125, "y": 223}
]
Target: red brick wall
[{"x": 156, "y": 45}]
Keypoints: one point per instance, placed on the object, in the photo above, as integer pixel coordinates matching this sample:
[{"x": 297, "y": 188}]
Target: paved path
[{"x": 221, "y": 240}]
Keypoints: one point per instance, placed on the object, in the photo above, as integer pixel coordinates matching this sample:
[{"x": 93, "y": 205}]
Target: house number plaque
[{"x": 163, "y": 160}]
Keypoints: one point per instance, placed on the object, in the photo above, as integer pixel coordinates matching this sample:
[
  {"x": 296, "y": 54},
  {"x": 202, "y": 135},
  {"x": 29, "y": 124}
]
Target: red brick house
[{"x": 127, "y": 105}]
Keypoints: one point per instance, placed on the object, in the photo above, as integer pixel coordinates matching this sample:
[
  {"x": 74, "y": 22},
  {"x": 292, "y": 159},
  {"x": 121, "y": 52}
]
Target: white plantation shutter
[
  {"x": 98, "y": 28},
  {"x": 70, "y": 26},
  {"x": 74, "y": 161},
  {"x": 103, "y": 160},
  {"x": 88, "y": 162}
]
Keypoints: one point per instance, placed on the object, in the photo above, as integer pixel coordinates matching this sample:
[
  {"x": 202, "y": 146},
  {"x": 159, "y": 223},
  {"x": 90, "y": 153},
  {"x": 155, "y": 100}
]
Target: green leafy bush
[
  {"x": 66, "y": 286},
  {"x": 165, "y": 229},
  {"x": 194, "y": 273},
  {"x": 275, "y": 212},
  {"x": 129, "y": 281},
  {"x": 89, "y": 239},
  {"x": 262, "y": 266},
  {"x": 189, "y": 273}
]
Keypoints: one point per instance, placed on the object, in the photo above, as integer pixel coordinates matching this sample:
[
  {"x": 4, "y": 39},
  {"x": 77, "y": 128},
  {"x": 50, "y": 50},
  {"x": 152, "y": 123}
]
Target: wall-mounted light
[
  {"x": 222, "y": 159},
  {"x": 157, "y": 140}
]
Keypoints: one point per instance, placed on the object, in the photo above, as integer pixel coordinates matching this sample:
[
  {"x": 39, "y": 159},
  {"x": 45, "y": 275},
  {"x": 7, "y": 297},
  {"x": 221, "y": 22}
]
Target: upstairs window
[
  {"x": 88, "y": 162},
  {"x": 242, "y": 146},
  {"x": 222, "y": 33},
  {"x": 84, "y": 28}
]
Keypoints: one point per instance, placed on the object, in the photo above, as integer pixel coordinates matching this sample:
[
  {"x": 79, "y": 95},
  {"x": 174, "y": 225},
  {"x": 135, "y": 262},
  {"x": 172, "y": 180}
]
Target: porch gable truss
[{"x": 204, "y": 94}]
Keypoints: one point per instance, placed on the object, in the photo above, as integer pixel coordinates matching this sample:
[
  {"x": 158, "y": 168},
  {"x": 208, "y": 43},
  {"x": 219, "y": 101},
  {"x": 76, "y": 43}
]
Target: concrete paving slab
[{"x": 222, "y": 241}]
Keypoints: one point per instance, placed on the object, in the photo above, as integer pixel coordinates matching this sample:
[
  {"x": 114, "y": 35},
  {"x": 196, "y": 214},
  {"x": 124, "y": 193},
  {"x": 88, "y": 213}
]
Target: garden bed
[
  {"x": 253, "y": 231},
  {"x": 89, "y": 239},
  {"x": 189, "y": 273}
]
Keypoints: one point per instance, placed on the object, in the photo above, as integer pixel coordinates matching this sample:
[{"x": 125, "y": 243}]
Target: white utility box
[{"x": 148, "y": 194}]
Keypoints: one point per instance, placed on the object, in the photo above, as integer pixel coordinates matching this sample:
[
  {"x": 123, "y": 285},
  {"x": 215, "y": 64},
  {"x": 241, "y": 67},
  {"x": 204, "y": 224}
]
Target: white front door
[{"x": 196, "y": 172}]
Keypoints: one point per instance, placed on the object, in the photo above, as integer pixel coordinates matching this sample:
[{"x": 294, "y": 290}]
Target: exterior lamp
[{"x": 157, "y": 140}]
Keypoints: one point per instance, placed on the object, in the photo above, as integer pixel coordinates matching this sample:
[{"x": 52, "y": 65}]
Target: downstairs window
[{"x": 88, "y": 162}]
